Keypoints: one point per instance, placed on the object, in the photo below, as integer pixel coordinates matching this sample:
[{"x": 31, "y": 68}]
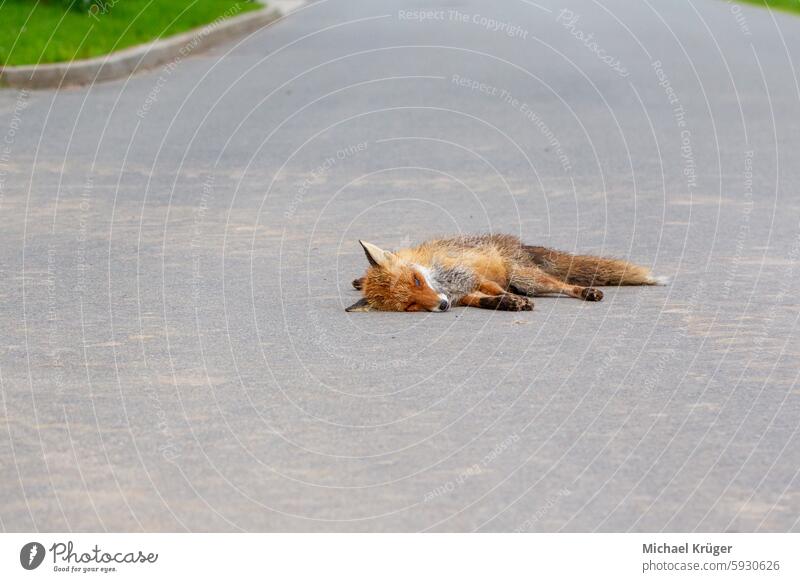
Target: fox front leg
[
  {"x": 490, "y": 295},
  {"x": 501, "y": 302},
  {"x": 488, "y": 287}
]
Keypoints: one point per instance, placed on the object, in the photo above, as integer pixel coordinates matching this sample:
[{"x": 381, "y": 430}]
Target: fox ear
[
  {"x": 360, "y": 305},
  {"x": 376, "y": 256}
]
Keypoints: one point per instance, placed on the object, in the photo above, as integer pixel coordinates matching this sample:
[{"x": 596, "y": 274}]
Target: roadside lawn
[
  {"x": 788, "y": 5},
  {"x": 33, "y": 32}
]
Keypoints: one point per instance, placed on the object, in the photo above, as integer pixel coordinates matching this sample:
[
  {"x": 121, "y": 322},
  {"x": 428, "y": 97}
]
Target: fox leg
[
  {"x": 501, "y": 302},
  {"x": 534, "y": 281},
  {"x": 490, "y": 295},
  {"x": 488, "y": 287}
]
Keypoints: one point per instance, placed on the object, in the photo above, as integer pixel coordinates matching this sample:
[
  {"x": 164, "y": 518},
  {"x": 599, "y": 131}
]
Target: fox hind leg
[{"x": 533, "y": 281}]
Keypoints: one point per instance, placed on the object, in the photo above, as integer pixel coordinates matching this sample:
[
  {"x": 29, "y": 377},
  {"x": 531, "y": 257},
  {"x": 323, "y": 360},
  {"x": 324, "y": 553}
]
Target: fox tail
[{"x": 586, "y": 270}]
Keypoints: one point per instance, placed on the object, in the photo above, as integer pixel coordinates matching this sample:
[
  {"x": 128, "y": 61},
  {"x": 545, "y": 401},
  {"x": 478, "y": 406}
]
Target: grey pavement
[{"x": 176, "y": 251}]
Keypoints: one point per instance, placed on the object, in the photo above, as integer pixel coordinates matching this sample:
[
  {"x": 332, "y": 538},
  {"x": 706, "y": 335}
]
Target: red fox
[{"x": 493, "y": 271}]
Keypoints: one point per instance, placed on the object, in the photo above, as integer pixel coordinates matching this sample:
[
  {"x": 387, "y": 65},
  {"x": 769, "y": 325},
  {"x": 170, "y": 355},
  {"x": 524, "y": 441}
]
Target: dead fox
[{"x": 493, "y": 271}]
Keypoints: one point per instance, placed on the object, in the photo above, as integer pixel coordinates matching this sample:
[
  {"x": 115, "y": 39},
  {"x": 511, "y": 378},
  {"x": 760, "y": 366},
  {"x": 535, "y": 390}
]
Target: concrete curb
[{"x": 128, "y": 61}]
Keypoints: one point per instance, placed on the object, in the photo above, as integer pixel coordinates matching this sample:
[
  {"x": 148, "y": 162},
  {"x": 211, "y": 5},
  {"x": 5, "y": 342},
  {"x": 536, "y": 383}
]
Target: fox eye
[{"x": 417, "y": 282}]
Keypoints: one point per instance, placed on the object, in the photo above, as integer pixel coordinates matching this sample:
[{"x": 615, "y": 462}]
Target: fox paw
[
  {"x": 591, "y": 294},
  {"x": 358, "y": 284},
  {"x": 514, "y": 303}
]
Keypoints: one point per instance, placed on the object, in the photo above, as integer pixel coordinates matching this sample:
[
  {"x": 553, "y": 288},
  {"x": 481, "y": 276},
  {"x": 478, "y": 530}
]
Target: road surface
[{"x": 177, "y": 249}]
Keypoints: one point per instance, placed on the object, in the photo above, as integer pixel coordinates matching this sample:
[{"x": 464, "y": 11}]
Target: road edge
[{"x": 128, "y": 61}]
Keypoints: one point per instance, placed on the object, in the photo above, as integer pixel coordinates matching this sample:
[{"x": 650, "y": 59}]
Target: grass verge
[
  {"x": 34, "y": 32},
  {"x": 786, "y": 5}
]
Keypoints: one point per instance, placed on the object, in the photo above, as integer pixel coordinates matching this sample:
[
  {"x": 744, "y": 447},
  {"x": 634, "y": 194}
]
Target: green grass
[
  {"x": 42, "y": 31},
  {"x": 788, "y": 5}
]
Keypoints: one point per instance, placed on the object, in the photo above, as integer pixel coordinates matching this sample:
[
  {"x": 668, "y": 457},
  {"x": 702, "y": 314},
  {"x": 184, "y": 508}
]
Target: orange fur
[{"x": 498, "y": 266}]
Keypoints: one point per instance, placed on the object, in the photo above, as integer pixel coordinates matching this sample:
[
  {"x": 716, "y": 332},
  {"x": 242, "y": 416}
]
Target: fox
[{"x": 487, "y": 271}]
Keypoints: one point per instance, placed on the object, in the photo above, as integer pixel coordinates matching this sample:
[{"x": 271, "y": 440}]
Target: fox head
[{"x": 394, "y": 284}]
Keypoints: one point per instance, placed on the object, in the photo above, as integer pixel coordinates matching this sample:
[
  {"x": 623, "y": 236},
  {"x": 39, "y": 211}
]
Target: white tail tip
[{"x": 658, "y": 280}]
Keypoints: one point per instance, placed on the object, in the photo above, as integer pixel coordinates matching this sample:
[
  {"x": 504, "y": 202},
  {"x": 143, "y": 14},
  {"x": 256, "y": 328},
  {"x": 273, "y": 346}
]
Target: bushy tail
[{"x": 586, "y": 270}]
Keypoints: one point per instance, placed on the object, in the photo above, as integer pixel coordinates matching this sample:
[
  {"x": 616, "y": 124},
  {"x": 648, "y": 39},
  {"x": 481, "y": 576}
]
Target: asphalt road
[{"x": 176, "y": 251}]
